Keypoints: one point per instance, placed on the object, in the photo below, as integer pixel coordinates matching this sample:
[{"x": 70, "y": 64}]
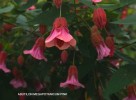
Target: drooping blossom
[
  {"x": 99, "y": 18},
  {"x": 18, "y": 80},
  {"x": 3, "y": 57},
  {"x": 32, "y": 8},
  {"x": 72, "y": 79},
  {"x": 115, "y": 62},
  {"x": 20, "y": 60},
  {"x": 60, "y": 36},
  {"x": 131, "y": 92},
  {"x": 98, "y": 42},
  {"x": 110, "y": 44},
  {"x": 64, "y": 56},
  {"x": 38, "y": 86},
  {"x": 96, "y": 1},
  {"x": 42, "y": 28},
  {"x": 37, "y": 50},
  {"x": 57, "y": 3}
]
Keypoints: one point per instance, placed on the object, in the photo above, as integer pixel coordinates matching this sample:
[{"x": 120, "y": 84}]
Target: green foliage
[{"x": 101, "y": 78}]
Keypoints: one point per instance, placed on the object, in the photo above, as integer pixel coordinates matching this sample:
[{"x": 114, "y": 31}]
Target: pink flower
[
  {"x": 3, "y": 57},
  {"x": 32, "y": 8},
  {"x": 98, "y": 42},
  {"x": 102, "y": 50},
  {"x": 60, "y": 36},
  {"x": 72, "y": 79},
  {"x": 96, "y": 1},
  {"x": 38, "y": 50},
  {"x": 18, "y": 83},
  {"x": 133, "y": 97},
  {"x": 38, "y": 86}
]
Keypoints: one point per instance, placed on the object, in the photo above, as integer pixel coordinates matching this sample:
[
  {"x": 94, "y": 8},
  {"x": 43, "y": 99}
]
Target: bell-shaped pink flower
[
  {"x": 102, "y": 50},
  {"x": 18, "y": 83},
  {"x": 38, "y": 50},
  {"x": 3, "y": 57},
  {"x": 18, "y": 80},
  {"x": 96, "y": 1},
  {"x": 60, "y": 36},
  {"x": 98, "y": 42},
  {"x": 72, "y": 79}
]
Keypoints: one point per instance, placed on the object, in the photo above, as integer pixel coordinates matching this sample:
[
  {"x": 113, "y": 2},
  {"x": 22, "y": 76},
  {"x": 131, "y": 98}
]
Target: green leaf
[
  {"x": 28, "y": 4},
  {"x": 125, "y": 57},
  {"x": 125, "y": 75},
  {"x": 110, "y": 6},
  {"x": 49, "y": 16},
  {"x": 6, "y": 9},
  {"x": 129, "y": 20}
]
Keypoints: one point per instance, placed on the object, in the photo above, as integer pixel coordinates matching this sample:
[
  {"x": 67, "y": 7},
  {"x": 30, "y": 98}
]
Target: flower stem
[
  {"x": 60, "y": 11},
  {"x": 74, "y": 58}
]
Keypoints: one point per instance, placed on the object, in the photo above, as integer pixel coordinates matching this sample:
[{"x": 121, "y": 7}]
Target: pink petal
[
  {"x": 17, "y": 83},
  {"x": 54, "y": 33},
  {"x": 72, "y": 81},
  {"x": 4, "y": 68},
  {"x": 65, "y": 35},
  {"x": 96, "y": 1}
]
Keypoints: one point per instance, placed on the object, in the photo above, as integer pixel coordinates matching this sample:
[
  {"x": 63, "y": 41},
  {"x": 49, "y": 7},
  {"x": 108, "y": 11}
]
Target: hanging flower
[
  {"x": 96, "y": 1},
  {"x": 42, "y": 28},
  {"x": 60, "y": 36},
  {"x": 38, "y": 86},
  {"x": 99, "y": 18},
  {"x": 57, "y": 3},
  {"x": 3, "y": 57},
  {"x": 64, "y": 56},
  {"x": 98, "y": 42},
  {"x": 32, "y": 8},
  {"x": 72, "y": 79},
  {"x": 131, "y": 92},
  {"x": 38, "y": 50},
  {"x": 20, "y": 60},
  {"x": 110, "y": 44},
  {"x": 18, "y": 80}
]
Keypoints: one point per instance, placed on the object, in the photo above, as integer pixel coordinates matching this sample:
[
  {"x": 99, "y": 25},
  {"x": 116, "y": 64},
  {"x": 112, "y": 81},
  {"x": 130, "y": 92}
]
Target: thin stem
[
  {"x": 127, "y": 45},
  {"x": 60, "y": 11},
  {"x": 106, "y": 31},
  {"x": 74, "y": 58}
]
